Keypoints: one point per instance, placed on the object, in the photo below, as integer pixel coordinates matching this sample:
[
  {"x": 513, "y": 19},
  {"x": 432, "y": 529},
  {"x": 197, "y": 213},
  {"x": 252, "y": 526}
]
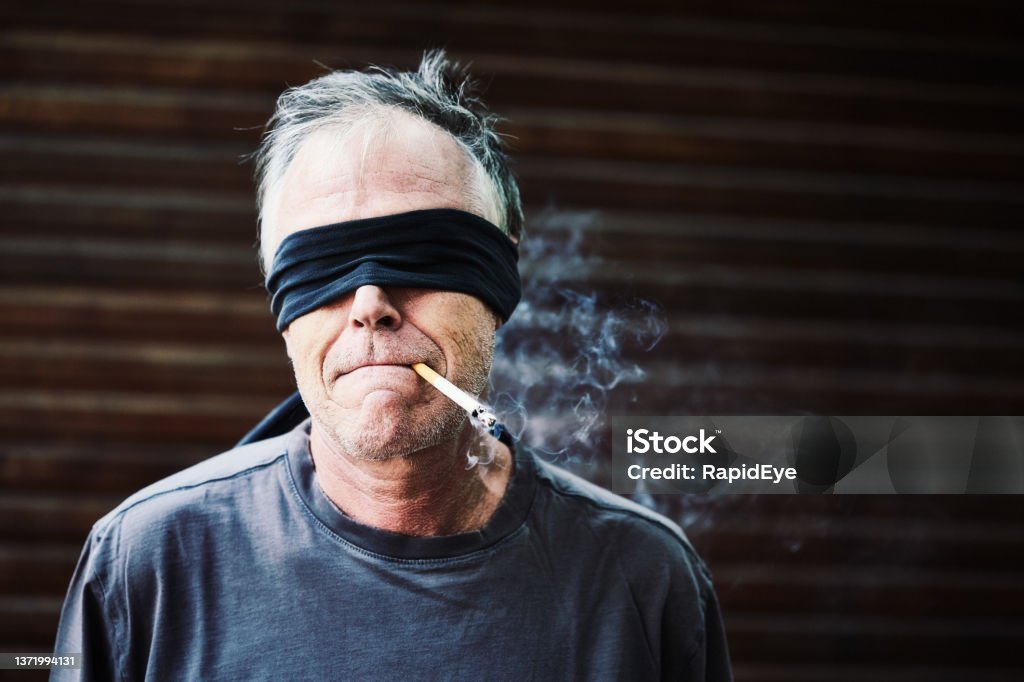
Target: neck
[{"x": 429, "y": 492}]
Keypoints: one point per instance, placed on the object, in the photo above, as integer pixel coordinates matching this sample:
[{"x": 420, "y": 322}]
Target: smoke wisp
[{"x": 569, "y": 346}]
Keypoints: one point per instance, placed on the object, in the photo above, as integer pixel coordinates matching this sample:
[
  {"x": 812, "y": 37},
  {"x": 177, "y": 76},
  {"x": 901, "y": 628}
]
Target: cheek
[
  {"x": 307, "y": 340},
  {"x": 471, "y": 335},
  {"x": 476, "y": 340}
]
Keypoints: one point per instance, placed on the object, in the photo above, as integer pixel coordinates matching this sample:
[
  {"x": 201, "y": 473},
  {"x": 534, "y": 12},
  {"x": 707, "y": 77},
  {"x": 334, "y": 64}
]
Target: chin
[{"x": 380, "y": 435}]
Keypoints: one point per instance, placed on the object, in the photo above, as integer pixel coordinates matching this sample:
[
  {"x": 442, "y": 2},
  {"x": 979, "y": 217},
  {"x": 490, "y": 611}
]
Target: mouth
[
  {"x": 379, "y": 365},
  {"x": 375, "y": 366}
]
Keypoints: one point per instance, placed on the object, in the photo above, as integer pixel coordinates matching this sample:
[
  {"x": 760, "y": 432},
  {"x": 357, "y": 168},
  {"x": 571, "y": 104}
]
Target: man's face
[{"x": 352, "y": 358}]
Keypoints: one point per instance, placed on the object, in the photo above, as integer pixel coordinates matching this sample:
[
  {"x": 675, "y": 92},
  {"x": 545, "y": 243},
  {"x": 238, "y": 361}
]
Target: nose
[{"x": 371, "y": 308}]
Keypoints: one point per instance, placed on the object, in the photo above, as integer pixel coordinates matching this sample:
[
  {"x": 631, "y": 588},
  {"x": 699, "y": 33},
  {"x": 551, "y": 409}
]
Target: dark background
[{"x": 825, "y": 197}]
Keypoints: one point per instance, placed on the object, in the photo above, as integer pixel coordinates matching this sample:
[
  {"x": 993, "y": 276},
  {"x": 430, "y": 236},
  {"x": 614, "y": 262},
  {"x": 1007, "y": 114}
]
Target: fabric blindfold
[{"x": 439, "y": 248}]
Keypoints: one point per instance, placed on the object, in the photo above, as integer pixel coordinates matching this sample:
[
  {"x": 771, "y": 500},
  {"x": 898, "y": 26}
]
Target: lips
[
  {"x": 382, "y": 365},
  {"x": 382, "y": 352},
  {"x": 404, "y": 364}
]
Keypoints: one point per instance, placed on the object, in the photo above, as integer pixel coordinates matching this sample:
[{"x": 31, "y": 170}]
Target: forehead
[{"x": 378, "y": 167}]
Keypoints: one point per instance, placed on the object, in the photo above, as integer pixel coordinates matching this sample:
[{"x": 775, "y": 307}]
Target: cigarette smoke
[{"x": 567, "y": 348}]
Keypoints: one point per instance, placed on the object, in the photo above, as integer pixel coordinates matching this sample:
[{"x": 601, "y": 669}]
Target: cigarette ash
[
  {"x": 569, "y": 348},
  {"x": 482, "y": 449}
]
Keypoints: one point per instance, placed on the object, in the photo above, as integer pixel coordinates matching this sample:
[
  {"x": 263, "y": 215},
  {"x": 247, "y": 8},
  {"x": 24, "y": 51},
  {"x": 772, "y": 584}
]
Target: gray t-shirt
[{"x": 240, "y": 568}]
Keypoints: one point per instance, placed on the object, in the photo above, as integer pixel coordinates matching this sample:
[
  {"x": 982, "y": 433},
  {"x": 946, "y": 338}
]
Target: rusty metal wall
[{"x": 825, "y": 198}]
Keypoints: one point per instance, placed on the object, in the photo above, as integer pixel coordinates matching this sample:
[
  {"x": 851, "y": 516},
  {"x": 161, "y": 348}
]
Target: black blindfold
[{"x": 440, "y": 248}]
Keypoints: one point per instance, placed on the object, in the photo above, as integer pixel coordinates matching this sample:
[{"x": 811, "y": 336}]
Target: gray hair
[{"x": 439, "y": 92}]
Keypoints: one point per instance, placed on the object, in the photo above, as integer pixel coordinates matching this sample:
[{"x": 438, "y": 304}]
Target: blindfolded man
[{"x": 369, "y": 530}]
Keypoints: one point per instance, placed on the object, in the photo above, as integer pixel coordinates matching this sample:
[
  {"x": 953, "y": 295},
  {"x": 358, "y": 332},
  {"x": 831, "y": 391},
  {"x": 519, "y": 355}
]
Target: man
[{"x": 364, "y": 543}]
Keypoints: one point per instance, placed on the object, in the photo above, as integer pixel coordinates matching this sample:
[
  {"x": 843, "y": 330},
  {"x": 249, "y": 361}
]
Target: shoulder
[
  {"x": 603, "y": 504},
  {"x": 189, "y": 491},
  {"x": 619, "y": 522},
  {"x": 620, "y": 541}
]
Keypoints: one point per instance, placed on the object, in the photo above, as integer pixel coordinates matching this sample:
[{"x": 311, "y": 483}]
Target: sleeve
[
  {"x": 87, "y": 626},
  {"x": 717, "y": 665},
  {"x": 708, "y": 659}
]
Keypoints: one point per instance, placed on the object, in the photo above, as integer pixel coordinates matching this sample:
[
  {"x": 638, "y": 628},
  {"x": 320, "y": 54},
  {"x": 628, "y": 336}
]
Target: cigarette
[{"x": 464, "y": 400}]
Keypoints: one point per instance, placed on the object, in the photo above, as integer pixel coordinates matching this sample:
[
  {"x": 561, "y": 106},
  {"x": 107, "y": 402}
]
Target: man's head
[
  {"x": 351, "y": 146},
  {"x": 367, "y": 106}
]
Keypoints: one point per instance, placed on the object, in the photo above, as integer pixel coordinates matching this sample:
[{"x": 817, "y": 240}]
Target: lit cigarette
[{"x": 460, "y": 397}]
